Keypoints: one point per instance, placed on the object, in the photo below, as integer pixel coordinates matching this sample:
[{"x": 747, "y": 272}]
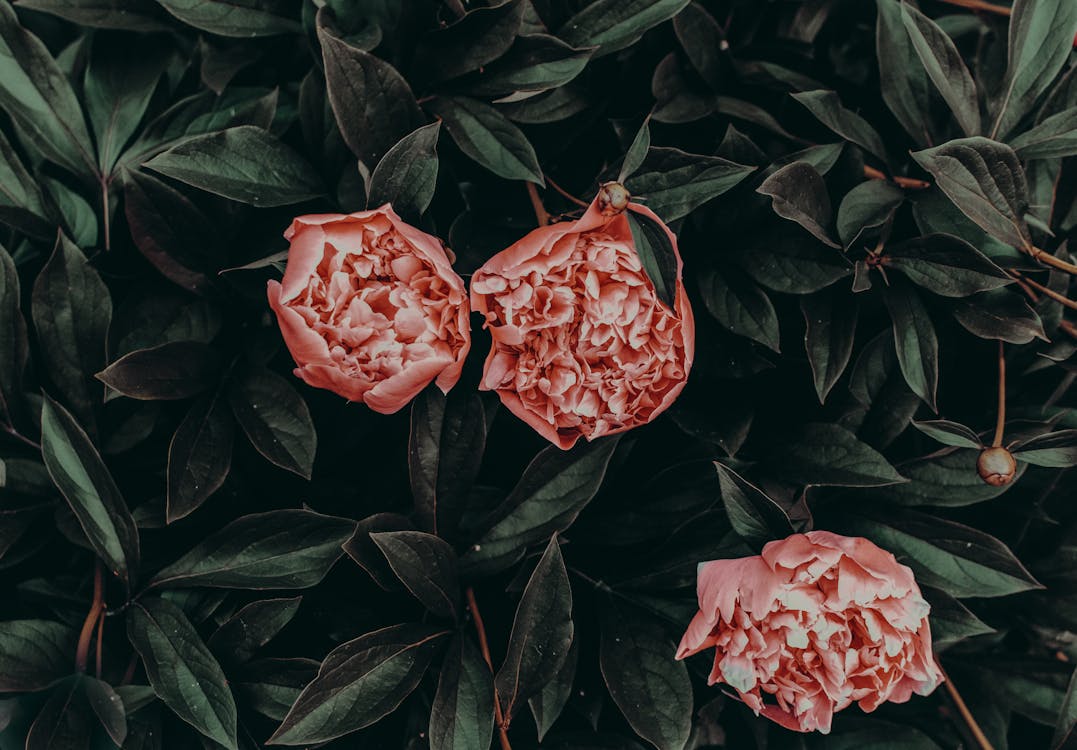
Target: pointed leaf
[
  {"x": 239, "y": 18},
  {"x": 276, "y": 420},
  {"x": 406, "y": 176},
  {"x": 741, "y": 306},
  {"x": 33, "y": 654},
  {"x": 615, "y": 24},
  {"x": 64, "y": 722},
  {"x": 945, "y": 265},
  {"x": 1054, "y": 138},
  {"x": 426, "y": 565},
  {"x": 169, "y": 372},
  {"x": 946, "y": 478},
  {"x": 1000, "y": 314},
  {"x": 252, "y": 627},
  {"x": 548, "y": 703},
  {"x": 828, "y": 454},
  {"x": 270, "y": 686},
  {"x": 487, "y": 136},
  {"x": 754, "y": 516},
  {"x": 827, "y": 108},
  {"x": 950, "y": 433},
  {"x": 653, "y": 243},
  {"x": 199, "y": 456},
  {"x": 944, "y": 67},
  {"x": 13, "y": 344},
  {"x": 462, "y": 715},
  {"x": 637, "y": 151},
  {"x": 906, "y": 88},
  {"x": 799, "y": 194},
  {"x": 535, "y": 62},
  {"x": 869, "y": 205},
  {"x": 674, "y": 183},
  {"x": 915, "y": 340},
  {"x": 830, "y": 319},
  {"x": 477, "y": 38},
  {"x": 1054, "y": 449},
  {"x": 128, "y": 15}
]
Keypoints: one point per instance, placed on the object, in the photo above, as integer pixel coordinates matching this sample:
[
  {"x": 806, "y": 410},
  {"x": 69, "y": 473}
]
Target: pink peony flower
[
  {"x": 370, "y": 308},
  {"x": 816, "y": 622},
  {"x": 582, "y": 346}
]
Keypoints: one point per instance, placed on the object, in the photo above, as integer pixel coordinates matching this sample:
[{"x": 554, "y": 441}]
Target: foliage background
[{"x": 152, "y": 153}]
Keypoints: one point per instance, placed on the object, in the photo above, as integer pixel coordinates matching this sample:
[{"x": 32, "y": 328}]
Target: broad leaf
[
  {"x": 1053, "y": 138},
  {"x": 33, "y": 654},
  {"x": 13, "y": 344},
  {"x": 270, "y": 686},
  {"x": 22, "y": 204},
  {"x": 239, "y": 18},
  {"x": 367, "y": 555},
  {"x": 1000, "y": 314},
  {"x": 905, "y": 87},
  {"x": 426, "y": 565},
  {"x": 674, "y": 183},
  {"x": 754, "y": 516},
  {"x": 181, "y": 669},
  {"x": 915, "y": 340},
  {"x": 1067, "y": 718},
  {"x": 82, "y": 478},
  {"x": 536, "y": 62},
  {"x": 407, "y": 175},
  {"x": 65, "y": 721},
  {"x": 541, "y": 635},
  {"x": 654, "y": 244},
  {"x": 615, "y": 24},
  {"x": 252, "y": 627},
  {"x": 799, "y": 194},
  {"x": 128, "y": 15},
  {"x": 279, "y": 549},
  {"x": 877, "y": 383},
  {"x": 951, "y": 621},
  {"x": 479, "y": 37},
  {"x": 199, "y": 456},
  {"x": 789, "y": 261},
  {"x": 947, "y": 478},
  {"x": 701, "y": 36},
  {"x": 548, "y": 703},
  {"x": 172, "y": 371},
  {"x": 944, "y": 67},
  {"x": 358, "y": 683},
  {"x": 741, "y": 306},
  {"x": 637, "y": 151},
  {"x": 945, "y": 265},
  {"x": 827, "y": 108},
  {"x": 950, "y": 433},
  {"x": 828, "y": 454},
  {"x": 869, "y": 205},
  {"x": 1054, "y": 449},
  {"x": 276, "y": 419},
  {"x": 462, "y": 714},
  {"x": 830, "y": 319},
  {"x": 487, "y": 136}
]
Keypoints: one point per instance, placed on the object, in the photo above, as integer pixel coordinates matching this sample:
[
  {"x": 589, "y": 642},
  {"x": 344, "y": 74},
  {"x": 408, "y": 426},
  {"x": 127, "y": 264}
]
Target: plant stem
[
  {"x": 484, "y": 647},
  {"x": 999, "y": 10},
  {"x": 20, "y": 437},
  {"x": 908, "y": 183},
  {"x": 1059, "y": 298},
  {"x": 96, "y": 608},
  {"x": 565, "y": 194},
  {"x": 1050, "y": 260},
  {"x": 966, "y": 715},
  {"x": 105, "y": 214},
  {"x": 1000, "y": 424},
  {"x": 541, "y": 216},
  {"x": 100, "y": 638}
]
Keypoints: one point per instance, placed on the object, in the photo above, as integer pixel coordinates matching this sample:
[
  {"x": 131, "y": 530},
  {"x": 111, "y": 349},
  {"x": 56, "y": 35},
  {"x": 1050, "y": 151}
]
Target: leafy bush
[{"x": 197, "y": 549}]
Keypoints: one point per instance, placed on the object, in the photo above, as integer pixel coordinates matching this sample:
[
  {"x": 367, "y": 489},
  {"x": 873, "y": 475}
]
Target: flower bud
[
  {"x": 996, "y": 466},
  {"x": 613, "y": 199}
]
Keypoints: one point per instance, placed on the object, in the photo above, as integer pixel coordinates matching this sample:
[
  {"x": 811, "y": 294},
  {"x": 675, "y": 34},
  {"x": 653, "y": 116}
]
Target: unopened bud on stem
[
  {"x": 996, "y": 466},
  {"x": 613, "y": 199}
]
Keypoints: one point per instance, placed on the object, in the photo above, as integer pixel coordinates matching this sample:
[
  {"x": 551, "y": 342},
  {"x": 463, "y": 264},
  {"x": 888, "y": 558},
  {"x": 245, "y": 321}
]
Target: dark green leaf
[
  {"x": 479, "y": 37},
  {"x": 407, "y": 175},
  {"x": 869, "y": 205},
  {"x": 674, "y": 183},
  {"x": 951, "y": 621},
  {"x": 361, "y": 548},
  {"x": 199, "y": 456},
  {"x": 108, "y": 707},
  {"x": 615, "y": 24},
  {"x": 916, "y": 344},
  {"x": 791, "y": 262},
  {"x": 244, "y": 164},
  {"x": 279, "y": 549},
  {"x": 550, "y": 106},
  {"x": 535, "y": 62},
  {"x": 828, "y": 454},
  {"x": 950, "y": 433},
  {"x": 1000, "y": 314},
  {"x": 64, "y": 722},
  {"x": 239, "y": 18},
  {"x": 856, "y": 733},
  {"x": 905, "y": 87},
  {"x": 1057, "y": 450},
  {"x": 33, "y": 654},
  {"x": 39, "y": 98},
  {"x": 426, "y": 565},
  {"x": 947, "y": 478},
  {"x": 741, "y": 306},
  {"x": 877, "y": 383},
  {"x": 830, "y": 327},
  {"x": 548, "y": 703},
  {"x": 944, "y": 67},
  {"x": 181, "y": 669},
  {"x": 172, "y": 371},
  {"x": 554, "y": 488},
  {"x": 1053, "y": 138},
  {"x": 654, "y": 245},
  {"x": 650, "y": 687},
  {"x": 799, "y": 194},
  {"x": 960, "y": 560},
  {"x": 462, "y": 715},
  {"x": 487, "y": 136},
  {"x": 71, "y": 311},
  {"x": 129, "y": 15},
  {"x": 22, "y": 205},
  {"x": 701, "y": 37},
  {"x": 985, "y": 180},
  {"x": 945, "y": 265},
  {"x": 255, "y": 625},
  {"x": 13, "y": 345},
  {"x": 755, "y": 517},
  {"x": 1040, "y": 41},
  {"x": 541, "y": 633},
  {"x": 358, "y": 683},
  {"x": 1067, "y": 717},
  {"x": 81, "y": 476},
  {"x": 373, "y": 104},
  {"x": 276, "y": 420},
  {"x": 827, "y": 108},
  {"x": 270, "y": 686}
]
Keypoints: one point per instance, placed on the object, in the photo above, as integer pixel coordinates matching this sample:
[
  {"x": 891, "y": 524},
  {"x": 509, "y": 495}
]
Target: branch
[
  {"x": 484, "y": 647},
  {"x": 1000, "y": 424},
  {"x": 565, "y": 194},
  {"x": 96, "y": 608},
  {"x": 541, "y": 216},
  {"x": 998, "y": 10},
  {"x": 908, "y": 183},
  {"x": 966, "y": 715},
  {"x": 1049, "y": 260}
]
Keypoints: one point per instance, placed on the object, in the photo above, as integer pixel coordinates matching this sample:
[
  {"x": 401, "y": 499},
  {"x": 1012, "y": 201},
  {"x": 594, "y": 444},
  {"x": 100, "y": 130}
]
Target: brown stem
[
  {"x": 565, "y": 194},
  {"x": 1050, "y": 260},
  {"x": 1059, "y": 298},
  {"x": 909, "y": 183},
  {"x": 129, "y": 673},
  {"x": 999, "y": 10},
  {"x": 457, "y": 8},
  {"x": 966, "y": 715},
  {"x": 1000, "y": 423},
  {"x": 1068, "y": 328},
  {"x": 20, "y": 437},
  {"x": 541, "y": 216},
  {"x": 97, "y": 607},
  {"x": 100, "y": 639},
  {"x": 484, "y": 648}
]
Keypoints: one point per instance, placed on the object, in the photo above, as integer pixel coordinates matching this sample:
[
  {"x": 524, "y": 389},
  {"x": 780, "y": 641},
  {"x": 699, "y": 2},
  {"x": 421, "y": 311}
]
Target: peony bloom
[
  {"x": 816, "y": 622},
  {"x": 370, "y": 308},
  {"x": 581, "y": 343}
]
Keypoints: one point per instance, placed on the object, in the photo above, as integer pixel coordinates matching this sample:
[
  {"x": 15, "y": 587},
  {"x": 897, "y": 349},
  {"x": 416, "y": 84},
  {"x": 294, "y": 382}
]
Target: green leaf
[
  {"x": 541, "y": 635},
  {"x": 547, "y": 705},
  {"x": 373, "y": 104},
  {"x": 271, "y": 686},
  {"x": 754, "y": 516},
  {"x": 985, "y": 180},
  {"x": 950, "y": 433},
  {"x": 960, "y": 560},
  {"x": 637, "y": 151},
  {"x": 1000, "y": 314},
  {"x": 550, "y": 106},
  {"x": 39, "y": 99},
  {"x": 462, "y": 714},
  {"x": 877, "y": 383},
  {"x": 73, "y": 213},
  {"x": 71, "y": 311},
  {"x": 34, "y": 654},
  {"x": 479, "y": 37},
  {"x": 64, "y": 722},
  {"x": 799, "y": 194},
  {"x": 906, "y": 89},
  {"x": 916, "y": 344},
  {"x": 554, "y": 488},
  {"x": 276, "y": 420},
  {"x": 426, "y": 565},
  {"x": 244, "y": 164},
  {"x": 128, "y": 15},
  {"x": 830, "y": 319},
  {"x": 1054, "y": 138},
  {"x": 830, "y": 455},
  {"x": 82, "y": 478},
  {"x": 947, "y": 478},
  {"x": 199, "y": 456},
  {"x": 653, "y": 243},
  {"x": 827, "y": 108},
  {"x": 252, "y": 627},
  {"x": 945, "y": 265},
  {"x": 951, "y": 621},
  {"x": 361, "y": 548},
  {"x": 358, "y": 683},
  {"x": 22, "y": 205},
  {"x": 535, "y": 62},
  {"x": 13, "y": 345},
  {"x": 857, "y": 733},
  {"x": 944, "y": 67},
  {"x": 181, "y": 669},
  {"x": 238, "y": 18},
  {"x": 615, "y": 24},
  {"x": 869, "y": 205},
  {"x": 701, "y": 36},
  {"x": 169, "y": 372},
  {"x": 1067, "y": 717},
  {"x": 674, "y": 183},
  {"x": 445, "y": 449},
  {"x": 407, "y": 175},
  {"x": 785, "y": 259},
  {"x": 107, "y": 705},
  {"x": 1040, "y": 41},
  {"x": 741, "y": 306},
  {"x": 649, "y": 686},
  {"x": 487, "y": 136},
  {"x": 1057, "y": 450},
  {"x": 279, "y": 549}
]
